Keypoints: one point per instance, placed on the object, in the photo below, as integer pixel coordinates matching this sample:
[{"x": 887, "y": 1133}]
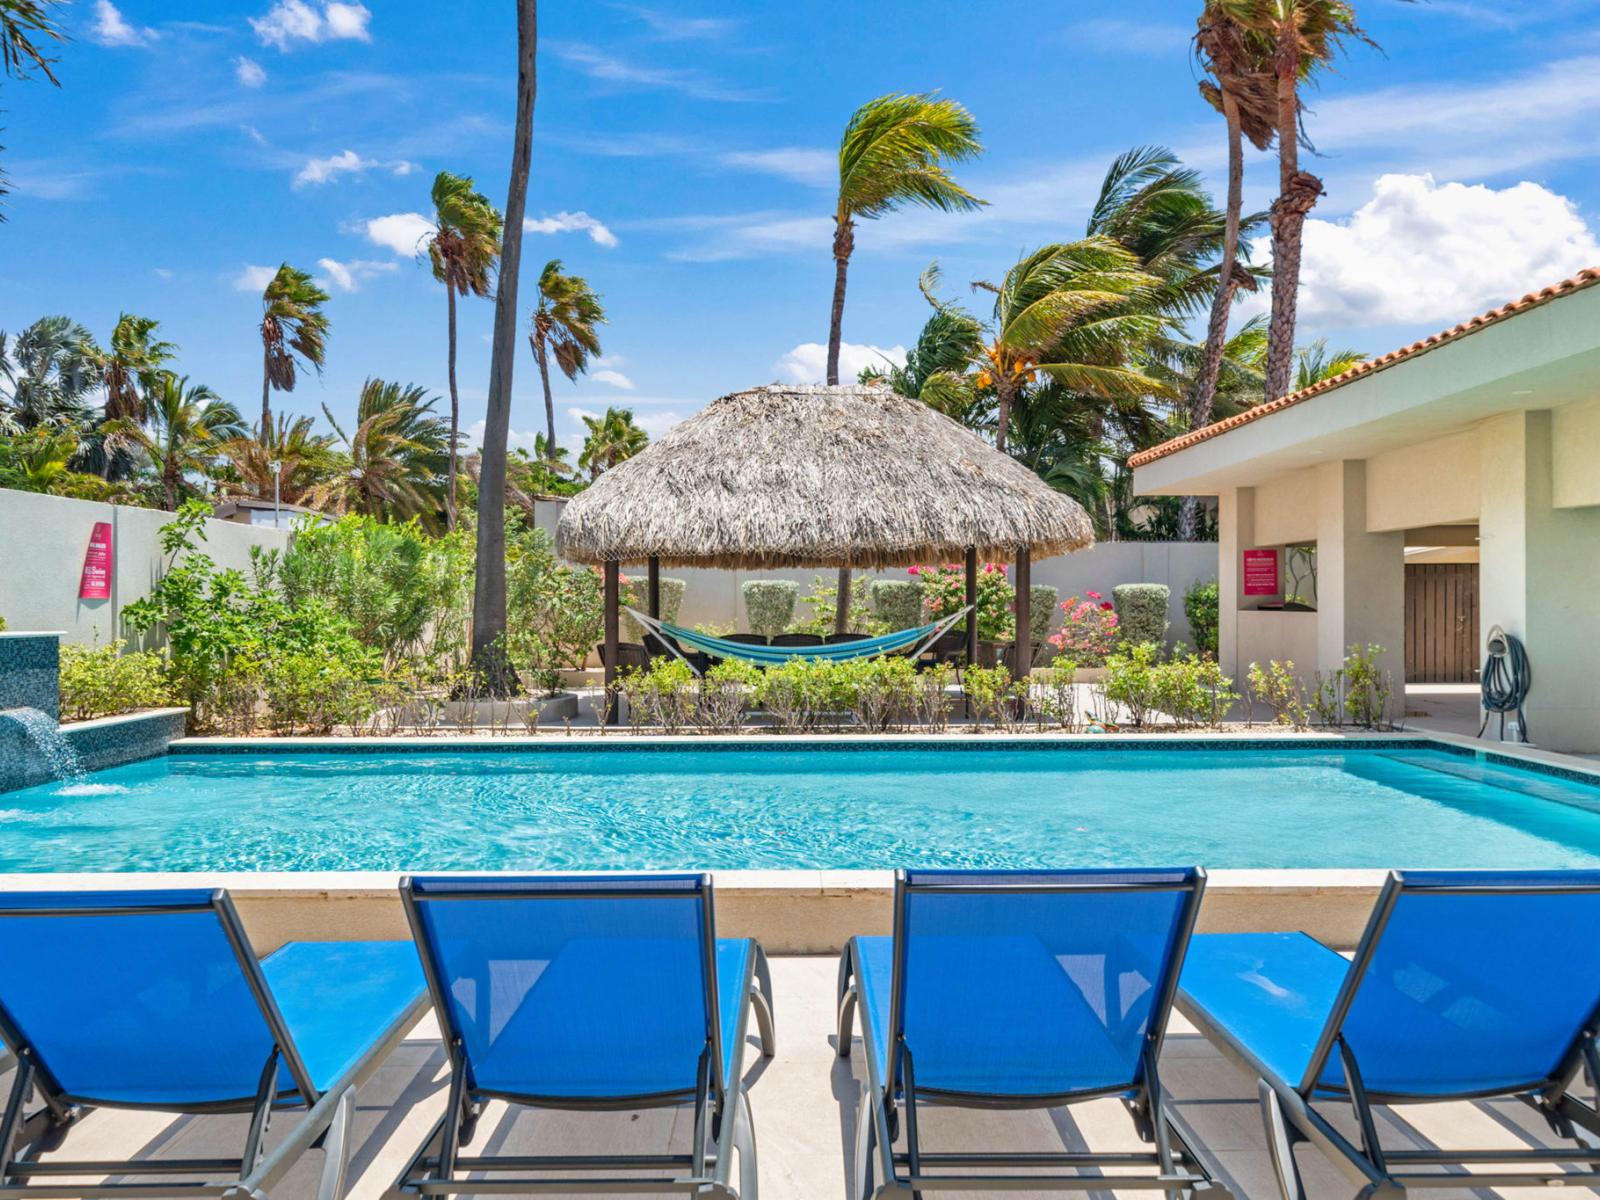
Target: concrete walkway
[{"x": 804, "y": 1104}]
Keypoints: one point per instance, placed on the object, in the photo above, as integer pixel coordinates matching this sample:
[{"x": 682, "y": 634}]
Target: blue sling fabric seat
[
  {"x": 1024, "y": 989},
  {"x": 775, "y": 655},
  {"x": 1466, "y": 984},
  {"x": 153, "y": 999},
  {"x": 588, "y": 992}
]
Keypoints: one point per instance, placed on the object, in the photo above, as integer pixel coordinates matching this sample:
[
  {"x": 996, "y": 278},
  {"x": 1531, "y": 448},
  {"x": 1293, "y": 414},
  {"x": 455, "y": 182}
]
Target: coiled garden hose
[{"x": 1506, "y": 680}]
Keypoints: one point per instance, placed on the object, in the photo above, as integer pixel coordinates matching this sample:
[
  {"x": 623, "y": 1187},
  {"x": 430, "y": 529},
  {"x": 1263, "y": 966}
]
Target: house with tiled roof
[{"x": 1418, "y": 500}]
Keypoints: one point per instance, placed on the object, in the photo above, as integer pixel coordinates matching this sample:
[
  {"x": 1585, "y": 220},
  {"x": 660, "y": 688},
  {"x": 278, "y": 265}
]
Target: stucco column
[
  {"x": 1361, "y": 576},
  {"x": 1236, "y": 532},
  {"x": 1539, "y": 576}
]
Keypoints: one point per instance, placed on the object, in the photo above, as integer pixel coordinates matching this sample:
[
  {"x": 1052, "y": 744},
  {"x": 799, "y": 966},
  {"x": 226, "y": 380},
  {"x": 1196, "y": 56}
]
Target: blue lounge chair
[
  {"x": 154, "y": 1000},
  {"x": 589, "y": 993},
  {"x": 1019, "y": 989},
  {"x": 1465, "y": 985}
]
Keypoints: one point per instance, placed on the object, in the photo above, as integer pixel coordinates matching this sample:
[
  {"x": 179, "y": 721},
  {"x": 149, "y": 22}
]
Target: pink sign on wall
[
  {"x": 1260, "y": 572},
  {"x": 96, "y": 581}
]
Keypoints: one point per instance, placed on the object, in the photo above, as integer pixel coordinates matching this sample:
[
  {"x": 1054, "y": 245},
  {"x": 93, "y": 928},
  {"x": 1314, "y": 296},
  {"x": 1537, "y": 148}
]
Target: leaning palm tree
[
  {"x": 896, "y": 150},
  {"x": 463, "y": 248},
  {"x": 564, "y": 325},
  {"x": 132, "y": 366},
  {"x": 613, "y": 438},
  {"x": 1315, "y": 362},
  {"x": 294, "y": 330},
  {"x": 48, "y": 371},
  {"x": 394, "y": 456},
  {"x": 489, "y": 657},
  {"x": 285, "y": 464},
  {"x": 183, "y": 433},
  {"x": 24, "y": 26}
]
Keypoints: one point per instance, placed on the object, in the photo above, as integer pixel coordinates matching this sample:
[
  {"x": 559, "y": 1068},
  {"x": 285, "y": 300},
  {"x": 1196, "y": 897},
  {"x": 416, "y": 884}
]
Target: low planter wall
[{"x": 91, "y": 745}]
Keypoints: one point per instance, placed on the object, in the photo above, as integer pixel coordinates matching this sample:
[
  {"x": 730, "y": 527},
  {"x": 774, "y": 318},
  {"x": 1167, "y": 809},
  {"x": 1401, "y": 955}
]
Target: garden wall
[{"x": 42, "y": 544}]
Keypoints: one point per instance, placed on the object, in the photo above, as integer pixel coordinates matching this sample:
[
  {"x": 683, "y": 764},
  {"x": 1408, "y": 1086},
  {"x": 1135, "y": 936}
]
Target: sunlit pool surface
[{"x": 817, "y": 807}]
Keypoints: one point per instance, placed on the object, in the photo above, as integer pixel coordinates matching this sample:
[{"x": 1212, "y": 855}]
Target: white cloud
[
  {"x": 401, "y": 167},
  {"x": 803, "y": 164},
  {"x": 320, "y": 170},
  {"x": 1425, "y": 252},
  {"x": 614, "y": 378},
  {"x": 670, "y": 27},
  {"x": 620, "y": 74},
  {"x": 111, "y": 28},
  {"x": 808, "y": 362},
  {"x": 254, "y": 279},
  {"x": 401, "y": 232},
  {"x": 348, "y": 276},
  {"x": 749, "y": 235},
  {"x": 162, "y": 272},
  {"x": 290, "y": 21},
  {"x": 1113, "y": 35},
  {"x": 249, "y": 72},
  {"x": 569, "y": 222}
]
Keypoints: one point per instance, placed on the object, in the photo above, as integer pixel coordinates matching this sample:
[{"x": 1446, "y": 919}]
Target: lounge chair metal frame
[
  {"x": 1290, "y": 1117},
  {"x": 325, "y": 1124},
  {"x": 907, "y": 1172},
  {"x": 722, "y": 1122}
]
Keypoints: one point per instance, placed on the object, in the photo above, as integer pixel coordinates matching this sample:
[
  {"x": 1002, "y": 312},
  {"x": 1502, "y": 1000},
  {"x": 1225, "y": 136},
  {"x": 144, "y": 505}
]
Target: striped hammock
[{"x": 776, "y": 656}]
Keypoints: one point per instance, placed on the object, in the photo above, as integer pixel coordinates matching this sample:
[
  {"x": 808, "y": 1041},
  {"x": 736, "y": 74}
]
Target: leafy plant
[
  {"x": 1192, "y": 690},
  {"x": 1054, "y": 695},
  {"x": 636, "y": 594},
  {"x": 1200, "y": 607},
  {"x": 1131, "y": 682},
  {"x": 1141, "y": 612},
  {"x": 897, "y": 602},
  {"x": 101, "y": 681},
  {"x": 1367, "y": 688},
  {"x": 1278, "y": 686},
  {"x": 555, "y": 612},
  {"x": 662, "y": 695},
  {"x": 885, "y": 691},
  {"x": 945, "y": 593},
  {"x": 726, "y": 693},
  {"x": 1088, "y": 630},
  {"x": 1041, "y": 610},
  {"x": 933, "y": 697},
  {"x": 769, "y": 604},
  {"x": 821, "y": 605},
  {"x": 993, "y": 694}
]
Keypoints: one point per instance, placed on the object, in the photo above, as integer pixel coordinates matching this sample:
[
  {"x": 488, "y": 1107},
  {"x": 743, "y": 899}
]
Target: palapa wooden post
[
  {"x": 653, "y": 585},
  {"x": 972, "y": 606},
  {"x": 1022, "y": 654},
  {"x": 611, "y": 591}
]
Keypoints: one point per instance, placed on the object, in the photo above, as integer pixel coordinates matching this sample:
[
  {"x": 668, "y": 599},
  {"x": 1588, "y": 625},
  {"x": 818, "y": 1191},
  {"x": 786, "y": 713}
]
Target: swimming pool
[{"x": 824, "y": 806}]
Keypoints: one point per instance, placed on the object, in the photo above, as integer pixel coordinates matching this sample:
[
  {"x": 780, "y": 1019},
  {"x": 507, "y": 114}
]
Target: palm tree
[
  {"x": 132, "y": 367},
  {"x": 1301, "y": 37},
  {"x": 564, "y": 324},
  {"x": 613, "y": 438},
  {"x": 394, "y": 455},
  {"x": 23, "y": 25},
  {"x": 489, "y": 657},
  {"x": 50, "y": 369},
  {"x": 1314, "y": 363},
  {"x": 1068, "y": 311},
  {"x": 293, "y": 327},
  {"x": 463, "y": 249},
  {"x": 183, "y": 432},
  {"x": 286, "y": 464},
  {"x": 40, "y": 461},
  {"x": 1243, "y": 92}
]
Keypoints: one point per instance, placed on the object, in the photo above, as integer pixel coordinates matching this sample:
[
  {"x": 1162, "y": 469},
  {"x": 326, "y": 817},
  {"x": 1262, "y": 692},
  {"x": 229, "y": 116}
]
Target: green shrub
[
  {"x": 1042, "y": 609},
  {"x": 313, "y": 693},
  {"x": 945, "y": 593},
  {"x": 1192, "y": 690},
  {"x": 934, "y": 699},
  {"x": 1141, "y": 612},
  {"x": 726, "y": 693},
  {"x": 993, "y": 694},
  {"x": 1367, "y": 688},
  {"x": 1200, "y": 605},
  {"x": 1054, "y": 695},
  {"x": 636, "y": 594},
  {"x": 101, "y": 681},
  {"x": 885, "y": 691},
  {"x": 822, "y": 603},
  {"x": 663, "y": 695},
  {"x": 1278, "y": 686},
  {"x": 554, "y": 613},
  {"x": 897, "y": 603},
  {"x": 1130, "y": 681},
  {"x": 769, "y": 604},
  {"x": 2, "y": 624}
]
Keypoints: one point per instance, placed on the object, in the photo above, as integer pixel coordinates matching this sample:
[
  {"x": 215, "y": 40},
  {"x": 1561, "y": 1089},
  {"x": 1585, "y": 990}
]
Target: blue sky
[{"x": 682, "y": 160}]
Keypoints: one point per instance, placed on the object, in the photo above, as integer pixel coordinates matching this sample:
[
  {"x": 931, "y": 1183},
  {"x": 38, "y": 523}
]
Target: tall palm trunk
[
  {"x": 1297, "y": 193},
  {"x": 844, "y": 243},
  {"x": 455, "y": 416},
  {"x": 1005, "y": 392},
  {"x": 1205, "y": 386},
  {"x": 549, "y": 400},
  {"x": 489, "y": 584},
  {"x": 266, "y": 390}
]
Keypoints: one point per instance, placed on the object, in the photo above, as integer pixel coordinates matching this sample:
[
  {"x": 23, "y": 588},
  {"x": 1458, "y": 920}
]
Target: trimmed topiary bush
[
  {"x": 1142, "y": 612},
  {"x": 897, "y": 602},
  {"x": 636, "y": 594},
  {"x": 769, "y": 604},
  {"x": 1041, "y": 610},
  {"x": 1200, "y": 607}
]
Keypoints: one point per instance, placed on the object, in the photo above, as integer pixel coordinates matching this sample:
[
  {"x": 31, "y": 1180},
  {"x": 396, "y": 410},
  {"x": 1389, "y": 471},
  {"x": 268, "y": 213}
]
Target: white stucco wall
[
  {"x": 1575, "y": 433},
  {"x": 42, "y": 542},
  {"x": 1286, "y": 510},
  {"x": 1435, "y": 482}
]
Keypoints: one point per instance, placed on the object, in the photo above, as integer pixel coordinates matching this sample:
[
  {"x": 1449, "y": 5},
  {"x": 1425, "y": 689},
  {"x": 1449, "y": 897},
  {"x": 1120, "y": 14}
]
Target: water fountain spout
[{"x": 40, "y": 732}]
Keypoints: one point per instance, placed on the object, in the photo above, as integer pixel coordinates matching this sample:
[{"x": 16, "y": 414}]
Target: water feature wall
[{"x": 34, "y": 749}]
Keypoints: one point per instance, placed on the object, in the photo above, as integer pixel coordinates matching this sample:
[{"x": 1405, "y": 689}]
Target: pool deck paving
[{"x": 804, "y": 1102}]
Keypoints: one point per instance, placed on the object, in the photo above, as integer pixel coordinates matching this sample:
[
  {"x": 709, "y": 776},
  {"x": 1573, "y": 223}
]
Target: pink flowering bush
[
  {"x": 1088, "y": 630},
  {"x": 944, "y": 593}
]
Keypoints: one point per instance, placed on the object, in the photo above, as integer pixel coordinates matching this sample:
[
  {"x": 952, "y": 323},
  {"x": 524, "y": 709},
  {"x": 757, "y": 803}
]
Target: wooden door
[{"x": 1442, "y": 623}]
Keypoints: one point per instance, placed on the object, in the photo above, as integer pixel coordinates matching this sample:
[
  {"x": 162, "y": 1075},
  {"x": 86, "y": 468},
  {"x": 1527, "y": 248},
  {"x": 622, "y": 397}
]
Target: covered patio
[{"x": 852, "y": 477}]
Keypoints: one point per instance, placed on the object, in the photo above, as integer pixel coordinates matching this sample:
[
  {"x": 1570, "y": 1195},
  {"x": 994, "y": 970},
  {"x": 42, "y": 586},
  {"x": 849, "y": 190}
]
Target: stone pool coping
[{"x": 798, "y": 911}]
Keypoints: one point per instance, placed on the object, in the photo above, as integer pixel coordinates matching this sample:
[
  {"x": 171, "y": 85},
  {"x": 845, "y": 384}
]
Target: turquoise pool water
[{"x": 817, "y": 807}]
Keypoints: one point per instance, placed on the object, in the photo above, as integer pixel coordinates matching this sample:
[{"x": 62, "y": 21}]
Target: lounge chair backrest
[
  {"x": 1026, "y": 984},
  {"x": 1469, "y": 982},
  {"x": 567, "y": 988},
  {"x": 138, "y": 998}
]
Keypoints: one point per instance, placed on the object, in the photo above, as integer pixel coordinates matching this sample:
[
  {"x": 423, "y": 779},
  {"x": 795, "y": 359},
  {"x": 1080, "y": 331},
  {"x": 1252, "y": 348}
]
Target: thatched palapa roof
[{"x": 808, "y": 476}]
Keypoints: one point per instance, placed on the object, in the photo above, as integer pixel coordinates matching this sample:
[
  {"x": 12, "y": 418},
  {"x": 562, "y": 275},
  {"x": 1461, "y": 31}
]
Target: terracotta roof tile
[{"x": 1583, "y": 279}]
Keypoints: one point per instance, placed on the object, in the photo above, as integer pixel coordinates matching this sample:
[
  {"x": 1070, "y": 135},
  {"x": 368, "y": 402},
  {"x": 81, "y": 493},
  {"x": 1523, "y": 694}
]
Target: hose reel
[{"x": 1506, "y": 680}]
